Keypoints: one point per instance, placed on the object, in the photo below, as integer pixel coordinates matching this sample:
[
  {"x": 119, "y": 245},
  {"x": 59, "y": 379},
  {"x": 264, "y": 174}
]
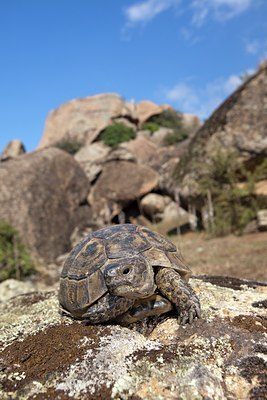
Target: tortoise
[{"x": 126, "y": 273}]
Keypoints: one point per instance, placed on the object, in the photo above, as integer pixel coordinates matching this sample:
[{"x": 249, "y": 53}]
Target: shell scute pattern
[
  {"x": 125, "y": 244},
  {"x": 73, "y": 254},
  {"x": 156, "y": 240},
  {"x": 88, "y": 260}
]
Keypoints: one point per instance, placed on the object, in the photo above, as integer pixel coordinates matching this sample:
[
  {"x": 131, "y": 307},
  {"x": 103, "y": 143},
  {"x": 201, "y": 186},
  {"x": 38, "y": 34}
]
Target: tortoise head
[{"x": 130, "y": 277}]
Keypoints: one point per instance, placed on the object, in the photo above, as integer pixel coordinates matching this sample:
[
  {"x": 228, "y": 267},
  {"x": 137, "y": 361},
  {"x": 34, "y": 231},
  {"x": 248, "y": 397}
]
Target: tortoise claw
[{"x": 190, "y": 313}]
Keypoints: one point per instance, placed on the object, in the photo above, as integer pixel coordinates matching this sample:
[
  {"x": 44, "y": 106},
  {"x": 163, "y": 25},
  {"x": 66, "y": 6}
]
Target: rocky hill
[
  {"x": 49, "y": 194},
  {"x": 140, "y": 163},
  {"x": 238, "y": 126}
]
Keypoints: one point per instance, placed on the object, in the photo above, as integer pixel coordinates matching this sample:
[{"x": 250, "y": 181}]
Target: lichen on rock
[{"x": 220, "y": 356}]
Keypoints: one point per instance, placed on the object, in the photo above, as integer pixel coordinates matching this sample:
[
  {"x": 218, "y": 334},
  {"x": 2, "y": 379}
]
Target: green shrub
[
  {"x": 117, "y": 133},
  {"x": 69, "y": 145},
  {"x": 175, "y": 137},
  {"x": 150, "y": 126},
  {"x": 261, "y": 171},
  {"x": 168, "y": 118},
  {"x": 173, "y": 120},
  {"x": 15, "y": 261}
]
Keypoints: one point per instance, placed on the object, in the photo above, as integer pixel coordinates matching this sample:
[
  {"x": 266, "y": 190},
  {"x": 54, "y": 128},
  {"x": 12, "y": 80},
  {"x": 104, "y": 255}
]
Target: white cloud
[
  {"x": 202, "y": 101},
  {"x": 146, "y": 10},
  {"x": 189, "y": 36},
  {"x": 253, "y": 47},
  {"x": 182, "y": 94},
  {"x": 218, "y": 9}
]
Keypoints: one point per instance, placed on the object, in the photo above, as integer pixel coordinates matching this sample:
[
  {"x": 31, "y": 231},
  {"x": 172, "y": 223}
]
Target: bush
[
  {"x": 173, "y": 120},
  {"x": 168, "y": 118},
  {"x": 261, "y": 171},
  {"x": 175, "y": 137},
  {"x": 15, "y": 261},
  {"x": 117, "y": 133},
  {"x": 234, "y": 206},
  {"x": 70, "y": 146},
  {"x": 150, "y": 126}
]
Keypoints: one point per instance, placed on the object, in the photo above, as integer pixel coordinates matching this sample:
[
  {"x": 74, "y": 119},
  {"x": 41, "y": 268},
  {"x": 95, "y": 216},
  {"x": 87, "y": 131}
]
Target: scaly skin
[
  {"x": 107, "y": 308},
  {"x": 180, "y": 293},
  {"x": 154, "y": 305}
]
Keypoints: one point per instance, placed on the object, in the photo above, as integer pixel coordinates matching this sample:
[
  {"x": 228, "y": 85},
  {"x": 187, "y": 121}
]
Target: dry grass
[{"x": 237, "y": 256}]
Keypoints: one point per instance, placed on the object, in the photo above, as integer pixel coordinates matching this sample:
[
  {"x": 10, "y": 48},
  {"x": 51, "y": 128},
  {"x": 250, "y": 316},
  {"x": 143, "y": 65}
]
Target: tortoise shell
[{"x": 82, "y": 280}]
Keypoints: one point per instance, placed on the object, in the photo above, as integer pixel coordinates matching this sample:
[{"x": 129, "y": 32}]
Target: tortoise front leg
[
  {"x": 107, "y": 308},
  {"x": 148, "y": 307},
  {"x": 180, "y": 293}
]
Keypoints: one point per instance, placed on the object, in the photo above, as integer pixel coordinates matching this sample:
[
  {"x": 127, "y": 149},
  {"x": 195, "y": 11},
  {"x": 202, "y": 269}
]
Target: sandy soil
[{"x": 236, "y": 256}]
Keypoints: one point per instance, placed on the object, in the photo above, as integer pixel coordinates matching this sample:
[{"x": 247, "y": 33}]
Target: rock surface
[
  {"x": 120, "y": 183},
  {"x": 262, "y": 220},
  {"x": 147, "y": 109},
  {"x": 222, "y": 356},
  {"x": 13, "y": 287},
  {"x": 13, "y": 149},
  {"x": 83, "y": 119},
  {"x": 42, "y": 196},
  {"x": 90, "y": 157},
  {"x": 142, "y": 148}
]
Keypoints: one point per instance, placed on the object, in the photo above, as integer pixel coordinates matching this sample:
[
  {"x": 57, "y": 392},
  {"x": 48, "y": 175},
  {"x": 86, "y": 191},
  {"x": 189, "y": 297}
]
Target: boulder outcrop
[
  {"x": 221, "y": 356},
  {"x": 239, "y": 125},
  {"x": 83, "y": 119},
  {"x": 43, "y": 195},
  {"x": 13, "y": 149},
  {"x": 119, "y": 183},
  {"x": 147, "y": 109}
]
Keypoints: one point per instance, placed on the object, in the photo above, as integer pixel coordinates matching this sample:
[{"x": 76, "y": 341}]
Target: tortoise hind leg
[
  {"x": 107, "y": 308},
  {"x": 180, "y": 293}
]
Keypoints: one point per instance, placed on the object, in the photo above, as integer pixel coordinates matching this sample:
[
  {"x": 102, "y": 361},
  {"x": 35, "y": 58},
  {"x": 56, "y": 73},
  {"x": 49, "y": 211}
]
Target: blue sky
[{"x": 188, "y": 53}]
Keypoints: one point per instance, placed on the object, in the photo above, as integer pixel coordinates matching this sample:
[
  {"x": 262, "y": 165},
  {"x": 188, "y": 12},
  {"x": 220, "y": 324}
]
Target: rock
[
  {"x": 159, "y": 136},
  {"x": 221, "y": 356},
  {"x": 239, "y": 125},
  {"x": 142, "y": 148},
  {"x": 42, "y": 196},
  {"x": 262, "y": 220},
  {"x": 164, "y": 161},
  {"x": 91, "y": 158},
  {"x": 144, "y": 133},
  {"x": 190, "y": 122},
  {"x": 261, "y": 188},
  {"x": 13, "y": 149},
  {"x": 165, "y": 213},
  {"x": 12, "y": 288},
  {"x": 147, "y": 109},
  {"x": 120, "y": 183},
  {"x": 153, "y": 204},
  {"x": 174, "y": 217},
  {"x": 83, "y": 119},
  {"x": 120, "y": 153}
]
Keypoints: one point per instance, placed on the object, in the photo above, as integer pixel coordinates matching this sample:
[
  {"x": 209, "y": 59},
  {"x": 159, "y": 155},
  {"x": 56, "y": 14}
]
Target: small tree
[{"x": 234, "y": 206}]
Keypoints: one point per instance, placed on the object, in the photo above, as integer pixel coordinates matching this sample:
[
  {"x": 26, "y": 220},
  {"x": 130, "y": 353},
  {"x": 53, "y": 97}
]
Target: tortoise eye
[{"x": 126, "y": 271}]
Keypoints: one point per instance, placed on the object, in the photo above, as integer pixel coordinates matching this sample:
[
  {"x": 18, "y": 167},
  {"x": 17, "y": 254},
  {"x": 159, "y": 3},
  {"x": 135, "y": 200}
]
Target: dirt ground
[{"x": 236, "y": 256}]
